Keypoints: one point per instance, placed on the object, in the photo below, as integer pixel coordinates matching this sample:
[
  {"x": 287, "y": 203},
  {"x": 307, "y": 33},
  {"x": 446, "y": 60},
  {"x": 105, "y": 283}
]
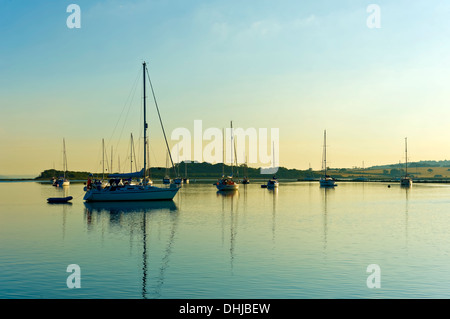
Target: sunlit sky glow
[{"x": 300, "y": 66}]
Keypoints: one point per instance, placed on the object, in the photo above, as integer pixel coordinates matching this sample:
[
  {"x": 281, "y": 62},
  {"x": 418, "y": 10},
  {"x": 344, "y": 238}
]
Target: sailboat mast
[
  {"x": 145, "y": 123},
  {"x": 64, "y": 158},
  {"x": 406, "y": 156},
  {"x": 103, "y": 158},
  {"x": 325, "y": 151},
  {"x": 231, "y": 147},
  {"x": 223, "y": 152},
  {"x": 131, "y": 153}
]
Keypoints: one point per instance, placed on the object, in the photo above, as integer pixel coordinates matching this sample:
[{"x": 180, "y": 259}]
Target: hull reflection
[
  {"x": 229, "y": 193},
  {"x": 129, "y": 207}
]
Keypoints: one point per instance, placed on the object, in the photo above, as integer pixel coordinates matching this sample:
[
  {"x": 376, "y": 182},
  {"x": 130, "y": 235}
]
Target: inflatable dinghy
[{"x": 59, "y": 199}]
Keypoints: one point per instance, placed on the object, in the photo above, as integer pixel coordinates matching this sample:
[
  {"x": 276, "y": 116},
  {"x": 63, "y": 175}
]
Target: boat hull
[
  {"x": 135, "y": 194},
  {"x": 327, "y": 183},
  {"x": 406, "y": 182},
  {"x": 59, "y": 199},
  {"x": 272, "y": 185},
  {"x": 232, "y": 187}
]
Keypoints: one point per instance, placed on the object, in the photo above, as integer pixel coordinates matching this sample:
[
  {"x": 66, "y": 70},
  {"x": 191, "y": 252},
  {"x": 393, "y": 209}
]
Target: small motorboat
[{"x": 59, "y": 199}]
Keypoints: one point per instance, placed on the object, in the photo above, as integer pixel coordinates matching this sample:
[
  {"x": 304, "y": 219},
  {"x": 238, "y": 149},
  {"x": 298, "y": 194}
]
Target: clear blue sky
[{"x": 300, "y": 66}]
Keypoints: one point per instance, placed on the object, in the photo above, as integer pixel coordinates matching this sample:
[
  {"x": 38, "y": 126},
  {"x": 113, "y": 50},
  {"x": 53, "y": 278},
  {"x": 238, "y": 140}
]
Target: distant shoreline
[{"x": 253, "y": 181}]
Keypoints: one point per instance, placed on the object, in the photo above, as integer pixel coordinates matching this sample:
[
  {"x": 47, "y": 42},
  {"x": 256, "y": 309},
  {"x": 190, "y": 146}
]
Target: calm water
[{"x": 298, "y": 242}]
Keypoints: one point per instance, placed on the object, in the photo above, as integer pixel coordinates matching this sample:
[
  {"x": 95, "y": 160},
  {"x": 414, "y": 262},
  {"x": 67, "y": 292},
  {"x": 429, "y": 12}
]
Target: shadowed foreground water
[{"x": 300, "y": 241}]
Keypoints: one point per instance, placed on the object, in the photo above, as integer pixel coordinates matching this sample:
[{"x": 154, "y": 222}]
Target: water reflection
[
  {"x": 230, "y": 200},
  {"x": 274, "y": 193},
  {"x": 141, "y": 214},
  {"x": 230, "y": 193},
  {"x": 129, "y": 207},
  {"x": 325, "y": 191},
  {"x": 407, "y": 190}
]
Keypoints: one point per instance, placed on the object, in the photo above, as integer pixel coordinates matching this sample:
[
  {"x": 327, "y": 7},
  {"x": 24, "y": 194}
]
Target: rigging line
[
  {"x": 130, "y": 94},
  {"x": 128, "y": 112},
  {"x": 126, "y": 102},
  {"x": 160, "y": 120}
]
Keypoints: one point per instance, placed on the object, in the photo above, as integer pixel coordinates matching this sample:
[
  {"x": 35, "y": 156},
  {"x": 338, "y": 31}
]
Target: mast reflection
[
  {"x": 231, "y": 197},
  {"x": 325, "y": 193},
  {"x": 140, "y": 213},
  {"x": 274, "y": 193}
]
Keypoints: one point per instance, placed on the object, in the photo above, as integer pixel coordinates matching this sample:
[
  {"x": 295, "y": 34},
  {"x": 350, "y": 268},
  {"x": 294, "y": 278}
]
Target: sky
[{"x": 299, "y": 66}]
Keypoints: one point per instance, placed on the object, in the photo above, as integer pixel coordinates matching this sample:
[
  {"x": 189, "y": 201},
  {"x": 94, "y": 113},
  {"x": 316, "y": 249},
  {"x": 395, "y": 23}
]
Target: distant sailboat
[
  {"x": 273, "y": 182},
  {"x": 185, "y": 178},
  {"x": 141, "y": 192},
  {"x": 63, "y": 181},
  {"x": 406, "y": 181},
  {"x": 326, "y": 180},
  {"x": 246, "y": 179},
  {"x": 226, "y": 183}
]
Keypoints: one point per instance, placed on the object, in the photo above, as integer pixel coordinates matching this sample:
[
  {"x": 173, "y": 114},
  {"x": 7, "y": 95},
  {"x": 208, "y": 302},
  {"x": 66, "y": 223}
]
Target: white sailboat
[
  {"x": 273, "y": 182},
  {"x": 406, "y": 181},
  {"x": 326, "y": 180},
  {"x": 64, "y": 181},
  {"x": 226, "y": 183},
  {"x": 139, "y": 192}
]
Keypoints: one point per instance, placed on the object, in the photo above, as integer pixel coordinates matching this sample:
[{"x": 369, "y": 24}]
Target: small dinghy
[{"x": 59, "y": 199}]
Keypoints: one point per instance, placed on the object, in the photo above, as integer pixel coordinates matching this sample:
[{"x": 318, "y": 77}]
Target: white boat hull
[
  {"x": 327, "y": 183},
  {"x": 140, "y": 193},
  {"x": 62, "y": 183}
]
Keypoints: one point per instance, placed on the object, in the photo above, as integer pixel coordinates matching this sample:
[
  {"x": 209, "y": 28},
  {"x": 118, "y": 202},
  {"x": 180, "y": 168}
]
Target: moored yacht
[
  {"x": 227, "y": 184},
  {"x": 117, "y": 191},
  {"x": 406, "y": 181},
  {"x": 272, "y": 183},
  {"x": 326, "y": 180}
]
